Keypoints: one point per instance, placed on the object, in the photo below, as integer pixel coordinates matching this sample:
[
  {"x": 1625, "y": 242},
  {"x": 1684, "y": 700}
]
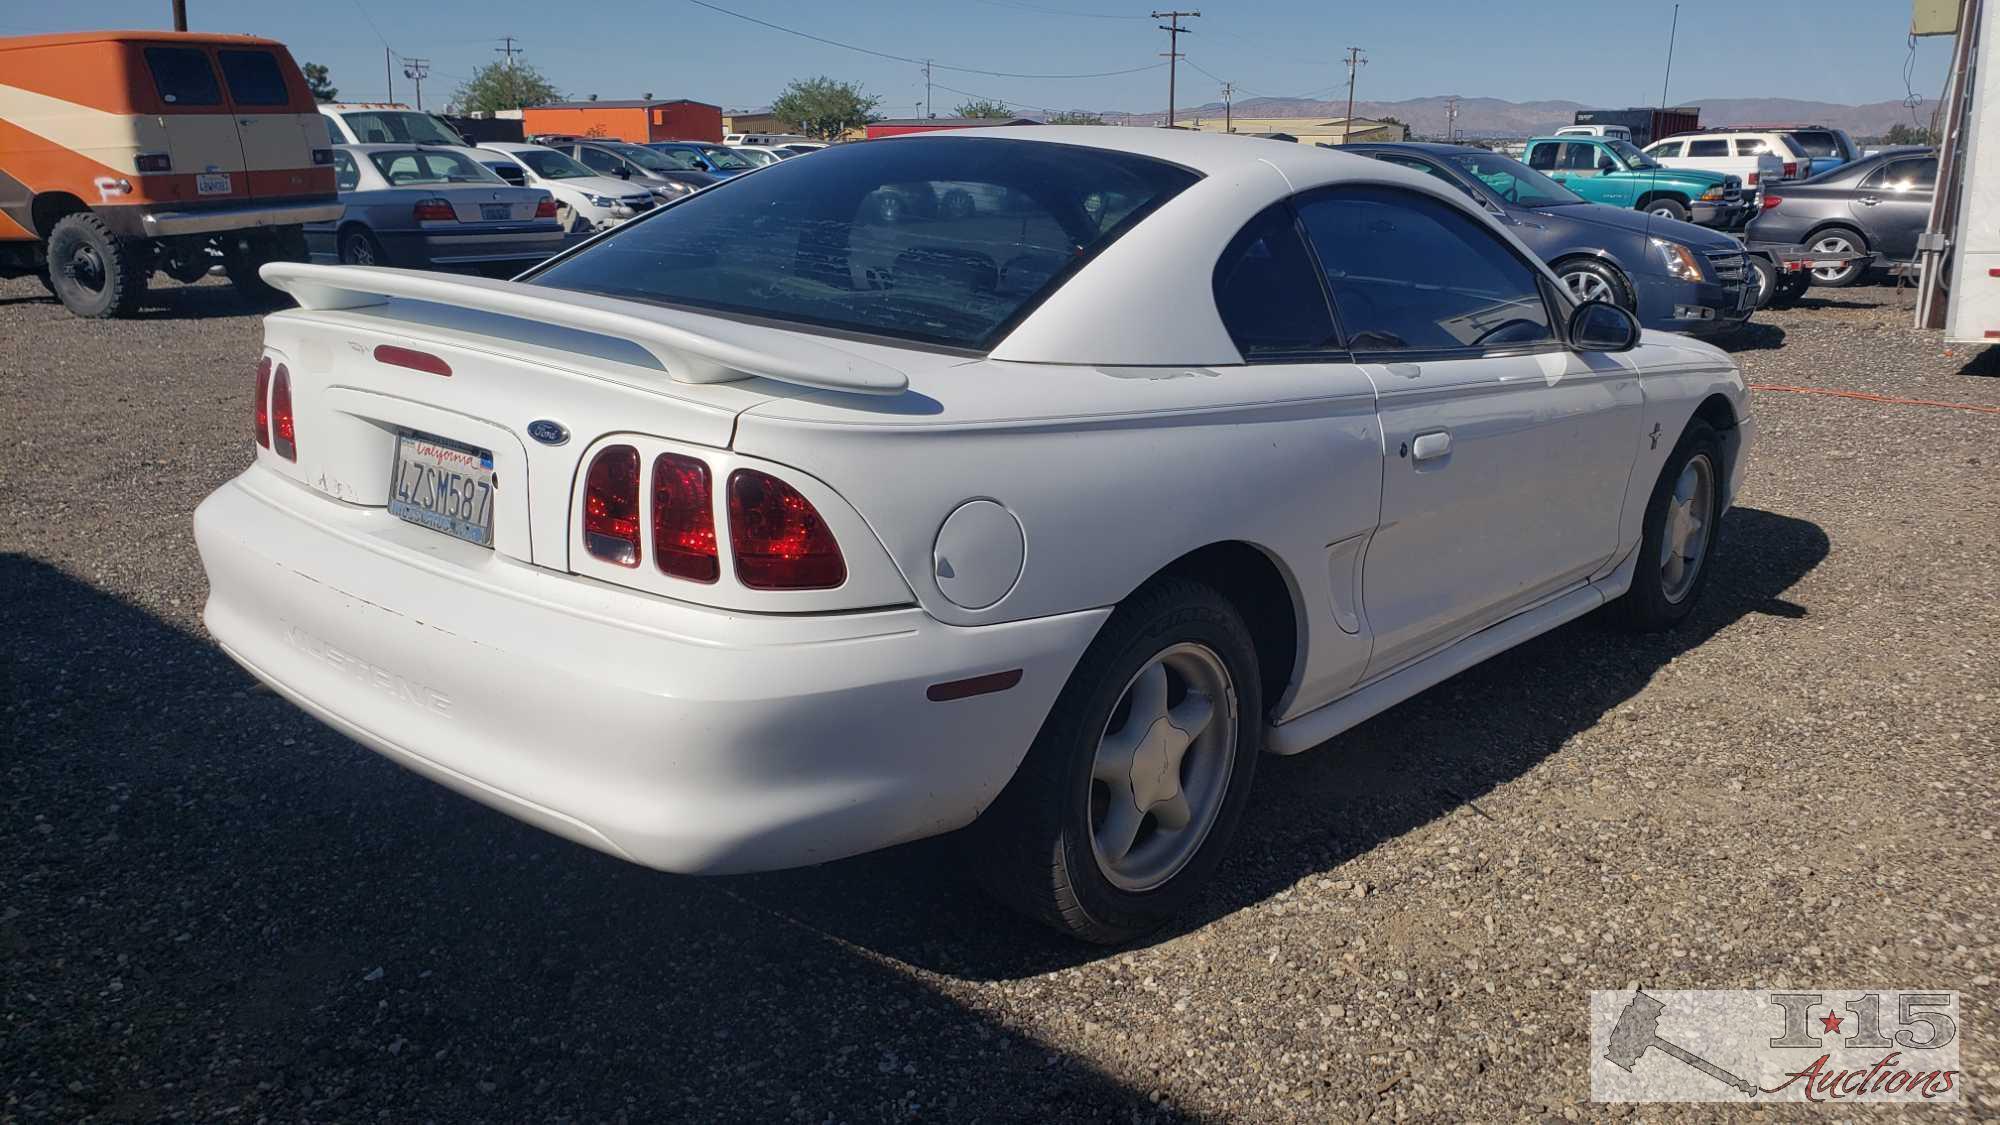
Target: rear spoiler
[{"x": 691, "y": 349}]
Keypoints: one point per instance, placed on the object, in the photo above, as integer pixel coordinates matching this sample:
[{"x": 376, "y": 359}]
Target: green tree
[
  {"x": 500, "y": 85},
  {"x": 320, "y": 83},
  {"x": 1075, "y": 117},
  {"x": 1900, "y": 134},
  {"x": 980, "y": 107},
  {"x": 823, "y": 108}
]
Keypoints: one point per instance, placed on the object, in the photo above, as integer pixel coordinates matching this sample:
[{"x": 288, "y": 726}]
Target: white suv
[{"x": 1756, "y": 158}]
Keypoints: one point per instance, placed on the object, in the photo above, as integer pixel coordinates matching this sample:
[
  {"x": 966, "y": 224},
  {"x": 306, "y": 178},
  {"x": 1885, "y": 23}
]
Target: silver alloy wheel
[
  {"x": 1162, "y": 767},
  {"x": 1690, "y": 516},
  {"x": 1665, "y": 211},
  {"x": 1587, "y": 287},
  {"x": 1835, "y": 244},
  {"x": 360, "y": 250}
]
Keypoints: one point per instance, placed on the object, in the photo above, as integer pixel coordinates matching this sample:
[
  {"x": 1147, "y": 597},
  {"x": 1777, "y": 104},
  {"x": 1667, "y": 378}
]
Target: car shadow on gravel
[
  {"x": 165, "y": 301},
  {"x": 1751, "y": 337},
  {"x": 216, "y": 907}
]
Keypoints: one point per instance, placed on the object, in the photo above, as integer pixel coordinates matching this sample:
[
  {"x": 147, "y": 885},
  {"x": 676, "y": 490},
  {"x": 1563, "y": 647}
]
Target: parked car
[
  {"x": 1613, "y": 132},
  {"x": 757, "y": 157},
  {"x": 1878, "y": 205},
  {"x": 1756, "y": 159},
  {"x": 125, "y": 153},
  {"x": 763, "y": 140},
  {"x": 433, "y": 208},
  {"x": 584, "y": 200},
  {"x": 719, "y": 161},
  {"x": 663, "y": 175},
  {"x": 1674, "y": 276},
  {"x": 1615, "y": 173},
  {"x": 757, "y": 588},
  {"x": 381, "y": 123},
  {"x": 799, "y": 148},
  {"x": 1827, "y": 148}
]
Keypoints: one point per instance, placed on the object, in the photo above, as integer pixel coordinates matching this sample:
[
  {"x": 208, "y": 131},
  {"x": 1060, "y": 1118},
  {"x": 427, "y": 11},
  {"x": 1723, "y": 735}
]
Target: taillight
[
  {"x": 284, "y": 435},
  {"x": 684, "y": 519},
  {"x": 322, "y": 156},
  {"x": 611, "y": 506},
  {"x": 1771, "y": 201},
  {"x": 1791, "y": 169},
  {"x": 546, "y": 209},
  {"x": 264, "y": 402},
  {"x": 153, "y": 162},
  {"x": 778, "y": 537},
  {"x": 431, "y": 210},
  {"x": 1753, "y": 179}
]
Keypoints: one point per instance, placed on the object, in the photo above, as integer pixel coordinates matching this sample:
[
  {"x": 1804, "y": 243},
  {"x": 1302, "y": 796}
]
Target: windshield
[
  {"x": 944, "y": 241},
  {"x": 401, "y": 127},
  {"x": 724, "y": 158},
  {"x": 1514, "y": 181},
  {"x": 670, "y": 160},
  {"x": 429, "y": 166},
  {"x": 550, "y": 164},
  {"x": 1630, "y": 154}
]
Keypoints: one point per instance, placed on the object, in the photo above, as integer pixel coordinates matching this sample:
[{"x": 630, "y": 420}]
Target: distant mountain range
[{"x": 1494, "y": 117}]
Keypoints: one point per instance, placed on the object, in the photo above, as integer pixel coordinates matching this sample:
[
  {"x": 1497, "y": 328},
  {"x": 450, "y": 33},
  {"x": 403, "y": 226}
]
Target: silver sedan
[{"x": 433, "y": 208}]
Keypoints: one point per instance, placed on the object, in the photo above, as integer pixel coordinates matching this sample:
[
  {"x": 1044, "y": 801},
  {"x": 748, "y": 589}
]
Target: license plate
[
  {"x": 443, "y": 486},
  {"x": 495, "y": 211},
  {"x": 212, "y": 183}
]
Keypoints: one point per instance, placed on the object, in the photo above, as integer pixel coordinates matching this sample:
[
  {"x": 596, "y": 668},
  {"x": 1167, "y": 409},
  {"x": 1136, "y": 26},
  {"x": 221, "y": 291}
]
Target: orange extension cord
[{"x": 1888, "y": 399}]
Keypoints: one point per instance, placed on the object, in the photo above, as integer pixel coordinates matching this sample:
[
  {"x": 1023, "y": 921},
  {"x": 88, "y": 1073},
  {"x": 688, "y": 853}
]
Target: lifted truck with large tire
[{"x": 124, "y": 154}]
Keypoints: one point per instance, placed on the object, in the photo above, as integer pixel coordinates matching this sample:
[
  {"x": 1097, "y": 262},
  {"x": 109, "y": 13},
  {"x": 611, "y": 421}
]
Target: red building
[
  {"x": 897, "y": 126},
  {"x": 638, "y": 121}
]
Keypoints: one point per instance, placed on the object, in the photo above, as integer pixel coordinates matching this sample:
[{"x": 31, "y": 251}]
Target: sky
[{"x": 1605, "y": 52}]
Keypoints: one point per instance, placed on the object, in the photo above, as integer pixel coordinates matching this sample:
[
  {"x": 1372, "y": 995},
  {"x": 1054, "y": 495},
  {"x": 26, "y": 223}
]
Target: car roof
[
  {"x": 398, "y": 146},
  {"x": 191, "y": 38},
  {"x": 1207, "y": 153}
]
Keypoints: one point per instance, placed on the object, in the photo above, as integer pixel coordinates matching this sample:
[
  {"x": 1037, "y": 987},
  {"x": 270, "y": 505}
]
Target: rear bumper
[
  {"x": 678, "y": 737},
  {"x": 1722, "y": 215},
  {"x": 420, "y": 248},
  {"x": 208, "y": 220}
]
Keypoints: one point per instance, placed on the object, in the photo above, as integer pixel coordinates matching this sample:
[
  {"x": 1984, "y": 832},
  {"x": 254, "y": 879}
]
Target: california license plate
[
  {"x": 212, "y": 183},
  {"x": 495, "y": 211},
  {"x": 443, "y": 486}
]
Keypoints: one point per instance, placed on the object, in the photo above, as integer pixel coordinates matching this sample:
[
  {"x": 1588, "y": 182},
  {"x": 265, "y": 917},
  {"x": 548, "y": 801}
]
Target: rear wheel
[
  {"x": 1134, "y": 786},
  {"x": 1839, "y": 240},
  {"x": 1666, "y": 208},
  {"x": 91, "y": 271},
  {"x": 1682, "y": 519},
  {"x": 358, "y": 247}
]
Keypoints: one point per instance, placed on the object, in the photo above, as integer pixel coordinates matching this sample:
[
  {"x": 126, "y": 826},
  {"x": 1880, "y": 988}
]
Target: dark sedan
[
  {"x": 1674, "y": 276},
  {"x": 665, "y": 176},
  {"x": 1878, "y": 206}
]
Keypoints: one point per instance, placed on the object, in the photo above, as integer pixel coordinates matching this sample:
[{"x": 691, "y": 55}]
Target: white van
[{"x": 385, "y": 123}]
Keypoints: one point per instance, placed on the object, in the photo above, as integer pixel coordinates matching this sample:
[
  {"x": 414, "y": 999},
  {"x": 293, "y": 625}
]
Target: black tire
[
  {"x": 1650, "y": 606},
  {"x": 244, "y": 255},
  {"x": 359, "y": 247},
  {"x": 1571, "y": 271},
  {"x": 1666, "y": 209},
  {"x": 1853, "y": 271},
  {"x": 1763, "y": 279},
  {"x": 92, "y": 272},
  {"x": 1035, "y": 841},
  {"x": 1791, "y": 287}
]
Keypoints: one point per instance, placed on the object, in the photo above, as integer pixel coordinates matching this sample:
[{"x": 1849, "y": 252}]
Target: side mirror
[
  {"x": 624, "y": 173},
  {"x": 1600, "y": 326}
]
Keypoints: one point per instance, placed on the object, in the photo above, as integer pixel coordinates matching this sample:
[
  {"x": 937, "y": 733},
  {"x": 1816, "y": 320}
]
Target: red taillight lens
[
  {"x": 414, "y": 360},
  {"x": 284, "y": 435},
  {"x": 1791, "y": 169},
  {"x": 1771, "y": 201},
  {"x": 684, "y": 519},
  {"x": 611, "y": 506},
  {"x": 546, "y": 209},
  {"x": 1752, "y": 181},
  {"x": 778, "y": 537},
  {"x": 432, "y": 210},
  {"x": 264, "y": 402}
]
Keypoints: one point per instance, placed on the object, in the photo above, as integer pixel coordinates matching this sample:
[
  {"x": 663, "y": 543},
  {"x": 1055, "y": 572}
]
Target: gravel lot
[{"x": 212, "y": 908}]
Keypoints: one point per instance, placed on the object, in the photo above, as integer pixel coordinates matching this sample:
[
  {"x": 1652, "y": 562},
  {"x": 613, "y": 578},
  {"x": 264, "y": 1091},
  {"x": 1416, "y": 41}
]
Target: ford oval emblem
[{"x": 548, "y": 432}]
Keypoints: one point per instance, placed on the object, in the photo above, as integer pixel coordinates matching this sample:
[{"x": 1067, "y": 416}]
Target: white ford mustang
[{"x": 1038, "y": 478}]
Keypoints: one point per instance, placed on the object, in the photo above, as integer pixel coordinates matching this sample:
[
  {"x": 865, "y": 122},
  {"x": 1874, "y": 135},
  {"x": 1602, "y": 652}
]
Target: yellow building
[{"x": 1310, "y": 130}]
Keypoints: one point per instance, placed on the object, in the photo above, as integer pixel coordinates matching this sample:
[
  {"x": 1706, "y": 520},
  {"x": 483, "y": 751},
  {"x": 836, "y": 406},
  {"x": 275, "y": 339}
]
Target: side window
[
  {"x": 1428, "y": 169},
  {"x": 1708, "y": 148},
  {"x": 333, "y": 136},
  {"x": 1268, "y": 292},
  {"x": 346, "y": 174},
  {"x": 254, "y": 78},
  {"x": 597, "y": 160},
  {"x": 1911, "y": 175},
  {"x": 1752, "y": 147},
  {"x": 1667, "y": 150},
  {"x": 1412, "y": 273},
  {"x": 183, "y": 76},
  {"x": 1580, "y": 157},
  {"x": 1542, "y": 157}
]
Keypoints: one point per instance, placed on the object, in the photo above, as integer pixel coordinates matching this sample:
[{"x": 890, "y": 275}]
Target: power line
[
  {"x": 1018, "y": 4},
  {"x": 907, "y": 58}
]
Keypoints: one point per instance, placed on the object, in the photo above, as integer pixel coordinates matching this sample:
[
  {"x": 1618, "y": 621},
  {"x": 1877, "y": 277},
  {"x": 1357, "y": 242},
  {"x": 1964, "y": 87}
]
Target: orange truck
[{"x": 125, "y": 153}]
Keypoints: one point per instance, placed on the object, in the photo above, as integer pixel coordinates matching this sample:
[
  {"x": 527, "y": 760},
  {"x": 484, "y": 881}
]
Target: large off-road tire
[
  {"x": 1588, "y": 279},
  {"x": 1683, "y": 520},
  {"x": 91, "y": 271},
  {"x": 1839, "y": 240},
  {"x": 1135, "y": 784},
  {"x": 243, "y": 255}
]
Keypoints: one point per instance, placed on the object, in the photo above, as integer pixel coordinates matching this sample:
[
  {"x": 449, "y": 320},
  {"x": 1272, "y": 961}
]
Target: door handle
[
  {"x": 1430, "y": 447},
  {"x": 1868, "y": 201}
]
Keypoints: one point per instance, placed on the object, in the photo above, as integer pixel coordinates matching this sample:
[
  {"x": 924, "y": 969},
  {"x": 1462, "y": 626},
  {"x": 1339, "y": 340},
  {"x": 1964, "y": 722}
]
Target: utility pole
[
  {"x": 929, "y": 109},
  {"x": 1451, "y": 119},
  {"x": 389, "y": 72},
  {"x": 513, "y": 98},
  {"x": 1228, "y": 120},
  {"x": 1355, "y": 61},
  {"x": 417, "y": 70},
  {"x": 1174, "y": 32},
  {"x": 180, "y": 15}
]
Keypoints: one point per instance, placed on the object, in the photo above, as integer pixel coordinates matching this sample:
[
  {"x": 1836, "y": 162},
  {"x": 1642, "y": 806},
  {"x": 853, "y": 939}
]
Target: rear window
[
  {"x": 399, "y": 127},
  {"x": 182, "y": 76},
  {"x": 941, "y": 240},
  {"x": 402, "y": 169},
  {"x": 254, "y": 78},
  {"x": 1815, "y": 142}
]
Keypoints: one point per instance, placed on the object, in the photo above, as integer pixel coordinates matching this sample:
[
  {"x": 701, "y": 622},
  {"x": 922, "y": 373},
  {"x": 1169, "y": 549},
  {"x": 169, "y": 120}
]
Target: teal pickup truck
[{"x": 1612, "y": 171}]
